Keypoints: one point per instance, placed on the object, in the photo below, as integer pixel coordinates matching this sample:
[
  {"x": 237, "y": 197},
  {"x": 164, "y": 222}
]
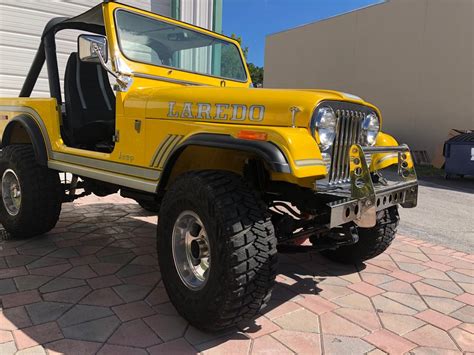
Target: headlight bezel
[
  {"x": 320, "y": 121},
  {"x": 370, "y": 129},
  {"x": 342, "y": 109}
]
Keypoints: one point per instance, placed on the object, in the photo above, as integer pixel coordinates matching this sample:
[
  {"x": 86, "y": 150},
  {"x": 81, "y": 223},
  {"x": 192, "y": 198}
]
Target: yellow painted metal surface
[
  {"x": 47, "y": 115},
  {"x": 154, "y": 116}
]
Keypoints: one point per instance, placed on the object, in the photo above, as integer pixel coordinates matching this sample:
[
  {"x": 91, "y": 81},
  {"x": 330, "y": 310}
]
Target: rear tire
[
  {"x": 239, "y": 244},
  {"x": 372, "y": 241},
  {"x": 31, "y": 195}
]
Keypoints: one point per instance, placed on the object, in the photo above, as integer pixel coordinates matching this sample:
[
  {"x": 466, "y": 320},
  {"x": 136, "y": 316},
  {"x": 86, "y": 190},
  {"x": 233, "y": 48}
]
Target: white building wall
[
  {"x": 21, "y": 25},
  {"x": 414, "y": 59},
  {"x": 162, "y": 7},
  {"x": 198, "y": 12}
]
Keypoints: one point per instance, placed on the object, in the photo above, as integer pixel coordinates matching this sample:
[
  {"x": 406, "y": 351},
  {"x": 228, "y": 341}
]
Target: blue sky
[{"x": 255, "y": 19}]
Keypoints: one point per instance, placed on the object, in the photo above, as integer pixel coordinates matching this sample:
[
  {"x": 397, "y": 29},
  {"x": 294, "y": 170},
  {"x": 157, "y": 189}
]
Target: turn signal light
[{"x": 252, "y": 135}]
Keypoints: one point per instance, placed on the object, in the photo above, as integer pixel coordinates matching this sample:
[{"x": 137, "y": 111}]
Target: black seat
[{"x": 90, "y": 104}]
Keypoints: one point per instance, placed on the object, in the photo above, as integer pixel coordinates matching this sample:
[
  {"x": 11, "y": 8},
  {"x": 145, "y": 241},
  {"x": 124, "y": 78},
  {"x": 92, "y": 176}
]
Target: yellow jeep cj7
[{"x": 232, "y": 171}]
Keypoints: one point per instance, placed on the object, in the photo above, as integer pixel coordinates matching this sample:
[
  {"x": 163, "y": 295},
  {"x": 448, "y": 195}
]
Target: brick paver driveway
[{"x": 93, "y": 285}]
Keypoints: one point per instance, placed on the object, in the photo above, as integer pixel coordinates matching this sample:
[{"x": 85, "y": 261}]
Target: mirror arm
[{"x": 124, "y": 82}]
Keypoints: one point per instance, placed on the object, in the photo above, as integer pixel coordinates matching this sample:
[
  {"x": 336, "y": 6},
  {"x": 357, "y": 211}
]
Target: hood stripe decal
[{"x": 164, "y": 149}]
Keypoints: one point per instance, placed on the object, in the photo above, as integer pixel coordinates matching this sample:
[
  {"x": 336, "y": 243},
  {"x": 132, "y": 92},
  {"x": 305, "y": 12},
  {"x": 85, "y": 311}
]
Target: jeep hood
[{"x": 267, "y": 107}]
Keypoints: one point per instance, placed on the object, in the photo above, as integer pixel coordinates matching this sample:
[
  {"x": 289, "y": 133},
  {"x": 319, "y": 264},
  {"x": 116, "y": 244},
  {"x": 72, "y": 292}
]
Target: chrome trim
[
  {"x": 133, "y": 183},
  {"x": 348, "y": 133},
  {"x": 348, "y": 209},
  {"x": 315, "y": 119},
  {"x": 309, "y": 162},
  {"x": 294, "y": 111},
  {"x": 11, "y": 192},
  {"x": 362, "y": 188},
  {"x": 168, "y": 80},
  {"x": 123, "y": 81},
  {"x": 388, "y": 149},
  {"x": 362, "y": 199},
  {"x": 386, "y": 157},
  {"x": 117, "y": 168},
  {"x": 191, "y": 250},
  {"x": 403, "y": 193}
]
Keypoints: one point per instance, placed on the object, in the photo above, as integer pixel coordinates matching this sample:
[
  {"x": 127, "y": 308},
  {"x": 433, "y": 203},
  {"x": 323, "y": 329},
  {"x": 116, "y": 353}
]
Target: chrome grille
[{"x": 348, "y": 133}]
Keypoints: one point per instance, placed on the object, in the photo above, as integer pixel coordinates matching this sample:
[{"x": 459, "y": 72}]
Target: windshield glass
[{"x": 147, "y": 40}]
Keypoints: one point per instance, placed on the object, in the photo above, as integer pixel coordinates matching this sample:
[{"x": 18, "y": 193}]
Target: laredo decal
[{"x": 222, "y": 112}]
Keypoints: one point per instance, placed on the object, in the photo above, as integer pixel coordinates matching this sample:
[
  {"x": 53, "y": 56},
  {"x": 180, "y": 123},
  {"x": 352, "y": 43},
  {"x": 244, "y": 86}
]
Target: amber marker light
[{"x": 252, "y": 135}]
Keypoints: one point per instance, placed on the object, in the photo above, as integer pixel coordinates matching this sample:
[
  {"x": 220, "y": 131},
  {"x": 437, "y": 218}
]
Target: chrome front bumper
[{"x": 362, "y": 198}]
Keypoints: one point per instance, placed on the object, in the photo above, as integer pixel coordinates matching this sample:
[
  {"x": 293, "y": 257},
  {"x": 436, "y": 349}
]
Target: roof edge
[{"x": 379, "y": 2}]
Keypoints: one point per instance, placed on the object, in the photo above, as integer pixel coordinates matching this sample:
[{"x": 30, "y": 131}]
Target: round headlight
[
  {"x": 370, "y": 129},
  {"x": 324, "y": 124}
]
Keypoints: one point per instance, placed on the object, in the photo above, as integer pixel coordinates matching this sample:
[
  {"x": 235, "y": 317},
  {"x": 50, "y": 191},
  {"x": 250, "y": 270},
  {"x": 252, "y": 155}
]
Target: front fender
[{"x": 269, "y": 152}]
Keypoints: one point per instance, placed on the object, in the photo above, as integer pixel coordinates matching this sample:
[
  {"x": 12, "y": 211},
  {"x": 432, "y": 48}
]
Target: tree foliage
[
  {"x": 256, "y": 72},
  {"x": 231, "y": 65}
]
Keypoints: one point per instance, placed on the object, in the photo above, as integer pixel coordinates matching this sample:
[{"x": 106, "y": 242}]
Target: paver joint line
[{"x": 93, "y": 287}]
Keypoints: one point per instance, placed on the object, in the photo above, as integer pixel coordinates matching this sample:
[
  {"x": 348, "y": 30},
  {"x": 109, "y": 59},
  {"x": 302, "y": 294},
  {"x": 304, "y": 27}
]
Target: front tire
[
  {"x": 31, "y": 195},
  {"x": 227, "y": 272},
  {"x": 372, "y": 241}
]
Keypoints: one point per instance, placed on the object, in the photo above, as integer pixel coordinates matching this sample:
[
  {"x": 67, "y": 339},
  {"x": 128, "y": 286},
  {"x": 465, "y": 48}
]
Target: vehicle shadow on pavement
[
  {"x": 304, "y": 275},
  {"x": 93, "y": 285}
]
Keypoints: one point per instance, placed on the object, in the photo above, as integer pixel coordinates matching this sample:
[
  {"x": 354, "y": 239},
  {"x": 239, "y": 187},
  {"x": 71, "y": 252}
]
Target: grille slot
[{"x": 349, "y": 124}]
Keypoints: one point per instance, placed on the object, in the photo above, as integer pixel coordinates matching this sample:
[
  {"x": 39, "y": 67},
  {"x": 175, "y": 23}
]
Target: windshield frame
[{"x": 191, "y": 28}]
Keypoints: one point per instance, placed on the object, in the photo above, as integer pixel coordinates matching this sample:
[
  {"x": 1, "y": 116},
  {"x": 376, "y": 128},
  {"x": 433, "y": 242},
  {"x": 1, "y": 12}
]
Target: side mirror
[{"x": 88, "y": 47}]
